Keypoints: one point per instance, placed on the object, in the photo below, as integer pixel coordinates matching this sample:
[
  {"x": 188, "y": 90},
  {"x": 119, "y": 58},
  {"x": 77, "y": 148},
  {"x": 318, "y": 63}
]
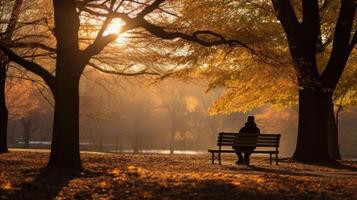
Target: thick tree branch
[
  {"x": 155, "y": 30},
  {"x": 341, "y": 48},
  {"x": 31, "y": 66},
  {"x": 311, "y": 24},
  {"x": 324, "y": 5},
  {"x": 161, "y": 33},
  {"x": 102, "y": 41},
  {"x": 287, "y": 17},
  {"x": 99, "y": 45}
]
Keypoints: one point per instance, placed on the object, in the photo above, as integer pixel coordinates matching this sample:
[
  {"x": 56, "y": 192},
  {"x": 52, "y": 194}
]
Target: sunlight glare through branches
[{"x": 114, "y": 28}]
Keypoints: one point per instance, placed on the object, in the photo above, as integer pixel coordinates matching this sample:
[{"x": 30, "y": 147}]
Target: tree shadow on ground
[
  {"x": 338, "y": 165},
  {"x": 344, "y": 165},
  {"x": 335, "y": 165},
  {"x": 46, "y": 185},
  {"x": 207, "y": 189}
]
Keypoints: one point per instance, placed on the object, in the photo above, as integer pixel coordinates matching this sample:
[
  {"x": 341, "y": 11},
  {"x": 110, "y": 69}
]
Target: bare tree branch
[
  {"x": 13, "y": 19},
  {"x": 139, "y": 21},
  {"x": 32, "y": 45},
  {"x": 31, "y": 66},
  {"x": 341, "y": 44},
  {"x": 142, "y": 72},
  {"x": 150, "y": 8}
]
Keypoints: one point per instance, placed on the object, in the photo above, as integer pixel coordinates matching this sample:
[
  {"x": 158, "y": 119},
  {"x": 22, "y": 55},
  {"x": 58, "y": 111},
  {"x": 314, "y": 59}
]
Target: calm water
[
  {"x": 163, "y": 151},
  {"x": 46, "y": 145}
]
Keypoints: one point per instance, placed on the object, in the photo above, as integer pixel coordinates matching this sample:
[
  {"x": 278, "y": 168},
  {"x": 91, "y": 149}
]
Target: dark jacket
[{"x": 250, "y": 127}]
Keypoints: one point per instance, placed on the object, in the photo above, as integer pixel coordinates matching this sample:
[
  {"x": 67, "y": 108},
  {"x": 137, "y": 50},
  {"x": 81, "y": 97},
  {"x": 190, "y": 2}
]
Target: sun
[{"x": 114, "y": 28}]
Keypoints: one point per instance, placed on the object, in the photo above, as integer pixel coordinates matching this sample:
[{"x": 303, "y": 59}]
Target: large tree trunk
[
  {"x": 65, "y": 140},
  {"x": 4, "y": 61},
  {"x": 3, "y": 110},
  {"x": 332, "y": 135},
  {"x": 316, "y": 137},
  {"x": 69, "y": 67},
  {"x": 312, "y": 143}
]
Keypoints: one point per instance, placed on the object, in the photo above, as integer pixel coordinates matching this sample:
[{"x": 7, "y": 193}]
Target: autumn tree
[
  {"x": 72, "y": 58},
  {"x": 23, "y": 100},
  {"x": 316, "y": 88},
  {"x": 16, "y": 19},
  {"x": 319, "y": 47},
  {"x": 9, "y": 15}
]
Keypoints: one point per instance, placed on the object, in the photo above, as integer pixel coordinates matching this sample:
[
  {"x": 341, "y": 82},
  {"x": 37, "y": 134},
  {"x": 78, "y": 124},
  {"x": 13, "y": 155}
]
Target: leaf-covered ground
[{"x": 129, "y": 176}]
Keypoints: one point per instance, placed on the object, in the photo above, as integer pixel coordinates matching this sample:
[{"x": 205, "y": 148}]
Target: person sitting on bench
[{"x": 250, "y": 127}]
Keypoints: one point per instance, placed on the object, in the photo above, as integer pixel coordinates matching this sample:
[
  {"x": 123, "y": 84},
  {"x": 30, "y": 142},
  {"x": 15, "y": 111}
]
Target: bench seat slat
[
  {"x": 251, "y": 138},
  {"x": 246, "y": 144},
  {"x": 248, "y": 136},
  {"x": 233, "y": 151},
  {"x": 268, "y": 135},
  {"x": 250, "y": 145},
  {"x": 249, "y": 141}
]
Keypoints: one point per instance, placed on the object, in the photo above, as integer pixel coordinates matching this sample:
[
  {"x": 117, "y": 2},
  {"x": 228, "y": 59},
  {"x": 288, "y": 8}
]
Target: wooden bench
[{"x": 268, "y": 141}]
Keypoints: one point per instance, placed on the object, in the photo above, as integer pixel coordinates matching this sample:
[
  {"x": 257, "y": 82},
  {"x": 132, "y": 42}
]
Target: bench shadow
[
  {"x": 279, "y": 171},
  {"x": 46, "y": 185}
]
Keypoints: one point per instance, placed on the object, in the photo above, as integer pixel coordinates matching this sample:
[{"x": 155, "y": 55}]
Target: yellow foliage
[
  {"x": 6, "y": 185},
  {"x": 22, "y": 98},
  {"x": 191, "y": 103},
  {"x": 103, "y": 184},
  {"x": 116, "y": 172}
]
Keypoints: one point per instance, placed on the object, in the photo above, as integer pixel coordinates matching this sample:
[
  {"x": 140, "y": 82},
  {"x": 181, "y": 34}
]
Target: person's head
[{"x": 250, "y": 119}]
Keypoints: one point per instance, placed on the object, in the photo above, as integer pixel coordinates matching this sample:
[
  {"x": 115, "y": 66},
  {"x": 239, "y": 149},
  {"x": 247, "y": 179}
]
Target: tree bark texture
[{"x": 3, "y": 109}]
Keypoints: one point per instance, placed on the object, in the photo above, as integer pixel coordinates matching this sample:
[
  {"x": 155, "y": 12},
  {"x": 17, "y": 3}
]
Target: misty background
[{"x": 143, "y": 115}]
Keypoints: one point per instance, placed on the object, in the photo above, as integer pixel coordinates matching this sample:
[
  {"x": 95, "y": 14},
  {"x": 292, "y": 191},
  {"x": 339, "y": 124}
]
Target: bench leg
[
  {"x": 270, "y": 158},
  {"x": 213, "y": 158},
  {"x": 276, "y": 159},
  {"x": 219, "y": 158}
]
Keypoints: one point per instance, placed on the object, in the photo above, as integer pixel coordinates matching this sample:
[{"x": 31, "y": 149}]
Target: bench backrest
[{"x": 248, "y": 140}]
